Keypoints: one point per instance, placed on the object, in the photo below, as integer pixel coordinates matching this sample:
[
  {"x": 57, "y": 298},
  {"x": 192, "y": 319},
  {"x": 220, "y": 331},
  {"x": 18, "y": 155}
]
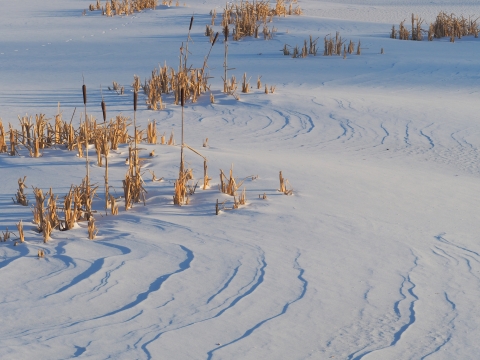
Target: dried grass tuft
[
  {"x": 123, "y": 7},
  {"x": 20, "y": 231},
  {"x": 245, "y": 84},
  {"x": 284, "y": 186},
  {"x": 92, "y": 229},
  {"x": 5, "y": 235},
  {"x": 152, "y": 132},
  {"x": 20, "y": 197},
  {"x": 445, "y": 25}
]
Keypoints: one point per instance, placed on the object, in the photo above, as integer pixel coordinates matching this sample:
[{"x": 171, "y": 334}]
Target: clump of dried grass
[
  {"x": 124, "y": 7},
  {"x": 230, "y": 185},
  {"x": 166, "y": 80},
  {"x": 71, "y": 212},
  {"x": 5, "y": 235},
  {"x": 133, "y": 189},
  {"x": 92, "y": 229},
  {"x": 20, "y": 197},
  {"x": 284, "y": 185},
  {"x": 246, "y": 17},
  {"x": 334, "y": 46},
  {"x": 245, "y": 84},
  {"x": 445, "y": 25},
  {"x": 152, "y": 132}
]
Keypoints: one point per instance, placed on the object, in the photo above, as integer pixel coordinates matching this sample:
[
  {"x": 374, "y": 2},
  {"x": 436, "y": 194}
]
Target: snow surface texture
[{"x": 375, "y": 256}]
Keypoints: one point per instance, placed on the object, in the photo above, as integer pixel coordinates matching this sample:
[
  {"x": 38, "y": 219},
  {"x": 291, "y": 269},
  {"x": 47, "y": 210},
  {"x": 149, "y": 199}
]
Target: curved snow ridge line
[
  {"x": 282, "y": 312},
  {"x": 407, "y": 135},
  {"x": 445, "y": 254},
  {"x": 432, "y": 145},
  {"x": 67, "y": 260},
  {"x": 154, "y": 286},
  {"x": 441, "y": 238},
  {"x": 93, "y": 268},
  {"x": 411, "y": 316},
  {"x": 255, "y": 282},
  {"x": 123, "y": 249},
  {"x": 233, "y": 303},
  {"x": 345, "y": 129},
  {"x": 21, "y": 249},
  {"x": 397, "y": 336},
  {"x": 469, "y": 130},
  {"x": 449, "y": 337},
  {"x": 306, "y": 122},
  {"x": 104, "y": 281},
  {"x": 469, "y": 253},
  {"x": 235, "y": 271},
  {"x": 387, "y": 134},
  {"x": 249, "y": 291}
]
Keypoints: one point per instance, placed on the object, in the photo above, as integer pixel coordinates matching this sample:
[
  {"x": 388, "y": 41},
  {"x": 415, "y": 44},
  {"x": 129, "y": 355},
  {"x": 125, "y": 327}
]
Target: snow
[{"x": 375, "y": 256}]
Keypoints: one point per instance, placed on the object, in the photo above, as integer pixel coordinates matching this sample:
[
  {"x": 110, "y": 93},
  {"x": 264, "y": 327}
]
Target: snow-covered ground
[{"x": 375, "y": 256}]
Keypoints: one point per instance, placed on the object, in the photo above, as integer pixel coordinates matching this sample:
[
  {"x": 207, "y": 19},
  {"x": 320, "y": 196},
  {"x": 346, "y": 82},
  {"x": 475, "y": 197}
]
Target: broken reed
[
  {"x": 20, "y": 197},
  {"x": 3, "y": 138},
  {"x": 445, "y": 25},
  {"x": 284, "y": 186}
]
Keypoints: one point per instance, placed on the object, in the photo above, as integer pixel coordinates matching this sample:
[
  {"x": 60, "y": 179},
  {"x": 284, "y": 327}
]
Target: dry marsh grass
[
  {"x": 123, "y": 7},
  {"x": 332, "y": 46},
  {"x": 284, "y": 185},
  {"x": 246, "y": 17},
  {"x": 445, "y": 25}
]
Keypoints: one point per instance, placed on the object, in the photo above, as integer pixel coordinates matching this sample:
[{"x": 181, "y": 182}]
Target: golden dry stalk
[
  {"x": 284, "y": 185},
  {"x": 13, "y": 140},
  {"x": 3, "y": 141},
  {"x": 39, "y": 208},
  {"x": 20, "y": 196},
  {"x": 71, "y": 213},
  {"x": 113, "y": 205},
  {"x": 92, "y": 230},
  {"x": 152, "y": 132},
  {"x": 171, "y": 141},
  {"x": 245, "y": 84},
  {"x": 20, "y": 231}
]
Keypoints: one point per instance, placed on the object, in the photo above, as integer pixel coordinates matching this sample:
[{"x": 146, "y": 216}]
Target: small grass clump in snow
[
  {"x": 20, "y": 197},
  {"x": 332, "y": 46}
]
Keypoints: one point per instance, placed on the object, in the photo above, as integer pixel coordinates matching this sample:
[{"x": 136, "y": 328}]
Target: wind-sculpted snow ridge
[
  {"x": 405, "y": 312},
  {"x": 209, "y": 313},
  {"x": 304, "y": 286}
]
